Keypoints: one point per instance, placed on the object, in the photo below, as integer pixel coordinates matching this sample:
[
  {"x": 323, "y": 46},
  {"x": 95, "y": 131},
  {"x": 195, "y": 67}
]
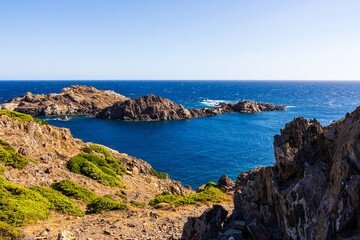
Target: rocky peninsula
[
  {"x": 74, "y": 100},
  {"x": 155, "y": 108}
]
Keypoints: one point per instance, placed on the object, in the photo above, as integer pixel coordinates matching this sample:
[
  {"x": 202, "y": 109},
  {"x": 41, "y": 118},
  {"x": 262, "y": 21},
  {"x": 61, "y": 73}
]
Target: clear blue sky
[{"x": 187, "y": 39}]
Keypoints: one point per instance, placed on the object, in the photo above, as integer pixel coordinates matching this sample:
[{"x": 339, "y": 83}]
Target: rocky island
[
  {"x": 155, "y": 108},
  {"x": 74, "y": 100}
]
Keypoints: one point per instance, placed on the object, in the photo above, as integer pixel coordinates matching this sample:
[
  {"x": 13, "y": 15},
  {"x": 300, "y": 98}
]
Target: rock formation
[
  {"x": 75, "y": 100},
  {"x": 155, "y": 108},
  {"x": 313, "y": 189}
]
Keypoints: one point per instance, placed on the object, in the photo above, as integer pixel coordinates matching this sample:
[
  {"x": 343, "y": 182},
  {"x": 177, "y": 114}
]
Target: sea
[{"x": 200, "y": 150}]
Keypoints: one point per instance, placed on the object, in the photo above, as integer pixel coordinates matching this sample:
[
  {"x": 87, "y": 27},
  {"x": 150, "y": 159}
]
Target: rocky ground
[
  {"x": 155, "y": 108},
  {"x": 75, "y": 100}
]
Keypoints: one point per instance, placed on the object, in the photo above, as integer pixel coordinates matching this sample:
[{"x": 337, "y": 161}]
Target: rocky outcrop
[
  {"x": 313, "y": 190},
  {"x": 75, "y": 100},
  {"x": 146, "y": 108},
  {"x": 155, "y": 108}
]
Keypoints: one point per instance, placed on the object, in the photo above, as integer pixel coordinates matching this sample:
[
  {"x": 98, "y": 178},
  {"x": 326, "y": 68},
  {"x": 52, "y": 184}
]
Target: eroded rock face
[
  {"x": 155, "y": 108},
  {"x": 146, "y": 108},
  {"x": 313, "y": 190},
  {"x": 75, "y": 100}
]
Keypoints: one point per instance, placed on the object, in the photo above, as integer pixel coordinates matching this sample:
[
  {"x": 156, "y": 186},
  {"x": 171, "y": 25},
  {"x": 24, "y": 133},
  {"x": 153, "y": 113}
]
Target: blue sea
[{"x": 200, "y": 150}]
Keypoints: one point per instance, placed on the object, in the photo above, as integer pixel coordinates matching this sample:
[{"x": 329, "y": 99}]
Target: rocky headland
[
  {"x": 74, "y": 100},
  {"x": 311, "y": 192},
  {"x": 155, "y": 108},
  {"x": 54, "y": 186}
]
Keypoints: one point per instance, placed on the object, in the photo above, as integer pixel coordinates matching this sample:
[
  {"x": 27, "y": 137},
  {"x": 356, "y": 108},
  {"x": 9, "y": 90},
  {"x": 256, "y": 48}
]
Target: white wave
[
  {"x": 213, "y": 103},
  {"x": 290, "y": 106}
]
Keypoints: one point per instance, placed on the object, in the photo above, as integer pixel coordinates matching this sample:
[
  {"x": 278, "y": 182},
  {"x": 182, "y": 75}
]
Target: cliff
[
  {"x": 311, "y": 192},
  {"x": 155, "y": 108},
  {"x": 75, "y": 100}
]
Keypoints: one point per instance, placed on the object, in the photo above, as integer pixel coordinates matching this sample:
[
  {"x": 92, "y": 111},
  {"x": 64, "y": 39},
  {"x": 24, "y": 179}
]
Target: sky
[{"x": 180, "y": 40}]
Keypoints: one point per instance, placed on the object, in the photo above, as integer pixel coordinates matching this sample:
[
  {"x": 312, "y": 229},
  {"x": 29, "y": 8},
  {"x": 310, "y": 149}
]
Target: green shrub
[
  {"x": 100, "y": 149},
  {"x": 42, "y": 122},
  {"x": 8, "y": 232},
  {"x": 74, "y": 190},
  {"x": 138, "y": 204},
  {"x": 95, "y": 168},
  {"x": 160, "y": 175},
  {"x": 86, "y": 150},
  {"x": 20, "y": 205},
  {"x": 121, "y": 196},
  {"x": 211, "y": 184},
  {"x": 2, "y": 170},
  {"x": 16, "y": 115},
  {"x": 105, "y": 203},
  {"x": 10, "y": 157},
  {"x": 59, "y": 202},
  {"x": 209, "y": 194},
  {"x": 113, "y": 163}
]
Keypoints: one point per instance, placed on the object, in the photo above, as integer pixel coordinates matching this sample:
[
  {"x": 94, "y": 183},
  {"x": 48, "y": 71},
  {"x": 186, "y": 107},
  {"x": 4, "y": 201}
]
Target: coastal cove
[{"x": 201, "y": 150}]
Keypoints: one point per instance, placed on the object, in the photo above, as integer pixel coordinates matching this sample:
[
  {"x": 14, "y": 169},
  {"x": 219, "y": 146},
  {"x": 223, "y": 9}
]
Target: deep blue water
[{"x": 200, "y": 150}]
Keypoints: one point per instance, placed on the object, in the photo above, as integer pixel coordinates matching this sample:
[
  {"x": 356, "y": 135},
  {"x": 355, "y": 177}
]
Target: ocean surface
[{"x": 200, "y": 150}]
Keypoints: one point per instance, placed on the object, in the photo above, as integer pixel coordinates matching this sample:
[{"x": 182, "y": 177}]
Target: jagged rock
[
  {"x": 313, "y": 190},
  {"x": 146, "y": 108},
  {"x": 225, "y": 184},
  {"x": 155, "y": 108},
  {"x": 75, "y": 100},
  {"x": 207, "y": 226}
]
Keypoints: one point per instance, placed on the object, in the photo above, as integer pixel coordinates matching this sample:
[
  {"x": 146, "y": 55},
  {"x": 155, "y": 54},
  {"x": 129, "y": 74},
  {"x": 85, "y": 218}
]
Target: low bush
[
  {"x": 74, "y": 190},
  {"x": 8, "y": 232},
  {"x": 209, "y": 194},
  {"x": 59, "y": 202},
  {"x": 2, "y": 170},
  {"x": 160, "y": 175},
  {"x": 10, "y": 157},
  {"x": 113, "y": 163},
  {"x": 20, "y": 205},
  {"x": 138, "y": 204},
  {"x": 105, "y": 203},
  {"x": 16, "y": 115},
  {"x": 95, "y": 168}
]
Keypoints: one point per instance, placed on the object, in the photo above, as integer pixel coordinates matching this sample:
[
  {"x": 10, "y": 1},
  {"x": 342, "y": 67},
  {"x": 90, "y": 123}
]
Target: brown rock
[{"x": 75, "y": 100}]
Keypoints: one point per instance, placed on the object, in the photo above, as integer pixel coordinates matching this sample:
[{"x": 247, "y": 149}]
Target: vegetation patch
[
  {"x": 2, "y": 170},
  {"x": 209, "y": 194},
  {"x": 20, "y": 205},
  {"x": 16, "y": 115},
  {"x": 105, "y": 203},
  {"x": 74, "y": 190},
  {"x": 138, "y": 204},
  {"x": 8, "y": 232},
  {"x": 10, "y": 157},
  {"x": 22, "y": 117},
  {"x": 160, "y": 175},
  {"x": 59, "y": 202},
  {"x": 113, "y": 163},
  {"x": 95, "y": 167}
]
